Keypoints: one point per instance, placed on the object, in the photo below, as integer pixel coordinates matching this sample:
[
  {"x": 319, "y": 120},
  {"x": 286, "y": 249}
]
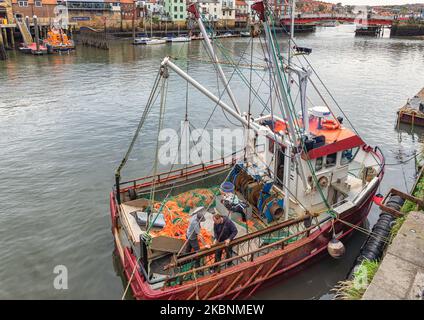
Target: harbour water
[{"x": 66, "y": 121}]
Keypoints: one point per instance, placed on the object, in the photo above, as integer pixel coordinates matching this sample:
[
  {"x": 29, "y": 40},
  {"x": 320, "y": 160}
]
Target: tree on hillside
[{"x": 321, "y": 7}]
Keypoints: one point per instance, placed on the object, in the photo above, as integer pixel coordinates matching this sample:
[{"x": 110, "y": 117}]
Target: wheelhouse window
[
  {"x": 347, "y": 156},
  {"x": 331, "y": 160},
  {"x": 38, "y": 4},
  {"x": 318, "y": 164},
  {"x": 23, "y": 3}
]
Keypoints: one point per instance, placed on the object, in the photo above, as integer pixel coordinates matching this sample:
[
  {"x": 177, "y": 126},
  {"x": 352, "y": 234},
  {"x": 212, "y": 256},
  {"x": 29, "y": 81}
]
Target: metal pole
[
  {"x": 276, "y": 68},
  {"x": 207, "y": 93},
  {"x": 303, "y": 76},
  {"x": 254, "y": 126},
  {"x": 286, "y": 182},
  {"x": 291, "y": 41},
  {"x": 181, "y": 73},
  {"x": 292, "y": 19},
  {"x": 214, "y": 56},
  {"x": 36, "y": 33}
]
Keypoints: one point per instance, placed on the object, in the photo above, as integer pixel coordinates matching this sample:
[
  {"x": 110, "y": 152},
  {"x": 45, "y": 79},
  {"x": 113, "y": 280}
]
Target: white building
[
  {"x": 211, "y": 10},
  {"x": 152, "y": 7},
  {"x": 228, "y": 16}
]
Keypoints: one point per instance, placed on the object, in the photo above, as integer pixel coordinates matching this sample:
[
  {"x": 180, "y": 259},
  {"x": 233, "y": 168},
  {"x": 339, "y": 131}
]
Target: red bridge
[{"x": 363, "y": 19}]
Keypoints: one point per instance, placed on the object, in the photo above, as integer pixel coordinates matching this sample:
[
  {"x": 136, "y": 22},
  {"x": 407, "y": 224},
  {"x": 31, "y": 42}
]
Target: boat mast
[
  {"x": 192, "y": 8},
  {"x": 291, "y": 40},
  {"x": 276, "y": 69},
  {"x": 303, "y": 76}
]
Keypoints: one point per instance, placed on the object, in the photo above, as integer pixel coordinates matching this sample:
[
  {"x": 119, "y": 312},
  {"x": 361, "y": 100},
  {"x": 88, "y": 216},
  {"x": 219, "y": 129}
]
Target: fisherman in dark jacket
[{"x": 224, "y": 231}]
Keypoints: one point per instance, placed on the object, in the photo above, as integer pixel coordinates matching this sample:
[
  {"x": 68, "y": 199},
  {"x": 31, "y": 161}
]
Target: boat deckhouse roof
[{"x": 336, "y": 139}]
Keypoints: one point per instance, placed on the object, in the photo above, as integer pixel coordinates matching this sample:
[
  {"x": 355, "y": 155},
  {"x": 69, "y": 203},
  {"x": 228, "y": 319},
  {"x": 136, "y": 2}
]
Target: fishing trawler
[{"x": 307, "y": 179}]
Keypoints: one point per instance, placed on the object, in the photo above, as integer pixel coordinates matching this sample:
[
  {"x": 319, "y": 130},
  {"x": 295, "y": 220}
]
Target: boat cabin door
[{"x": 279, "y": 168}]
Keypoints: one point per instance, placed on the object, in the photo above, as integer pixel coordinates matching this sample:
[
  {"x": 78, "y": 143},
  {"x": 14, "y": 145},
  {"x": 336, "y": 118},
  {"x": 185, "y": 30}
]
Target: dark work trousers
[
  {"x": 228, "y": 254},
  {"x": 193, "y": 244}
]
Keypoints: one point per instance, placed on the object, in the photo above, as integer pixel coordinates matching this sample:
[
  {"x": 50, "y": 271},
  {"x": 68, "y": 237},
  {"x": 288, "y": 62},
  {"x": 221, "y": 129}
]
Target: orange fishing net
[{"x": 177, "y": 217}]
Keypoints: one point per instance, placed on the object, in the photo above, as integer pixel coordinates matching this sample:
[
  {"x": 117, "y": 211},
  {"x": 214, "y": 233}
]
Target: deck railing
[
  {"x": 176, "y": 173},
  {"x": 264, "y": 241}
]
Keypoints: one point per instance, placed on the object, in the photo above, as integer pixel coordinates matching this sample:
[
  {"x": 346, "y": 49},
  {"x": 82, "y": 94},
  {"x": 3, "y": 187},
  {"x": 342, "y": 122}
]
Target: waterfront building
[
  {"x": 242, "y": 13},
  {"x": 6, "y": 12},
  {"x": 43, "y": 9},
  {"x": 228, "y": 17},
  {"x": 211, "y": 10},
  {"x": 154, "y": 7},
  {"x": 100, "y": 14},
  {"x": 278, "y": 6},
  {"x": 176, "y": 11}
]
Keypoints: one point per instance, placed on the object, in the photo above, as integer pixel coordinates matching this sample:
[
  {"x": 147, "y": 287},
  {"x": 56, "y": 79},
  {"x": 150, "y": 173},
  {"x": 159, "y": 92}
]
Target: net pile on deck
[{"x": 177, "y": 216}]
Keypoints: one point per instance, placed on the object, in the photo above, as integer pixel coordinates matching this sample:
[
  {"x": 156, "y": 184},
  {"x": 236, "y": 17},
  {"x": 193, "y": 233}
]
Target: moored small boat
[
  {"x": 151, "y": 41},
  {"x": 413, "y": 111},
  {"x": 141, "y": 40},
  {"x": 33, "y": 49},
  {"x": 58, "y": 41},
  {"x": 178, "y": 39}
]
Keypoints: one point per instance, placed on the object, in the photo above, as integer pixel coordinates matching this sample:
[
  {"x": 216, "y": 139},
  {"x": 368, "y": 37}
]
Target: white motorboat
[
  {"x": 150, "y": 41},
  {"x": 141, "y": 40},
  {"x": 179, "y": 39}
]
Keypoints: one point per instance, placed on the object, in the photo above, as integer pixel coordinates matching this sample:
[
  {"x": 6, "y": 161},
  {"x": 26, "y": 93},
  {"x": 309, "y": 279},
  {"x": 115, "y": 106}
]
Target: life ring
[
  {"x": 330, "y": 124},
  {"x": 323, "y": 182}
]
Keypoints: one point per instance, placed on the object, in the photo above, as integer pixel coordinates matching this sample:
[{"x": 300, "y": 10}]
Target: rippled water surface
[{"x": 66, "y": 121}]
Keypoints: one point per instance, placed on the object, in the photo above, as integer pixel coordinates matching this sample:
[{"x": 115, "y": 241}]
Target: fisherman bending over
[{"x": 193, "y": 233}]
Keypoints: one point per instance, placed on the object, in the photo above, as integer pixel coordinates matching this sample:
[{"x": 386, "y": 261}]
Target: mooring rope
[
  {"x": 129, "y": 281},
  {"x": 365, "y": 231}
]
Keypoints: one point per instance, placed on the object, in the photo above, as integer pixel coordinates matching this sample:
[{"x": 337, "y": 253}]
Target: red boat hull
[{"x": 241, "y": 281}]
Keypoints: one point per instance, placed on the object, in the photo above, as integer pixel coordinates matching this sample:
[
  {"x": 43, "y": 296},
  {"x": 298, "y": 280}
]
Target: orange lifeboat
[{"x": 57, "y": 40}]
